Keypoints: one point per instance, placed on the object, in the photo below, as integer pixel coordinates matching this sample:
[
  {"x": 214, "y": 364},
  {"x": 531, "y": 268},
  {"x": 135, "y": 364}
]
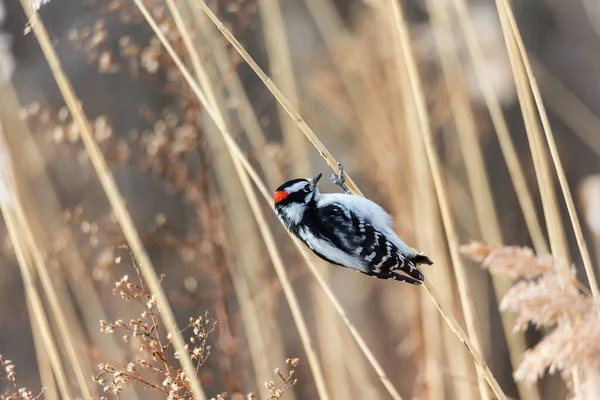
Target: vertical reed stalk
[
  {"x": 485, "y": 208},
  {"x": 571, "y": 110},
  {"x": 282, "y": 71},
  {"x": 45, "y": 221},
  {"x": 434, "y": 165},
  {"x": 506, "y": 145},
  {"x": 506, "y": 16},
  {"x": 43, "y": 360},
  {"x": 34, "y": 300}
]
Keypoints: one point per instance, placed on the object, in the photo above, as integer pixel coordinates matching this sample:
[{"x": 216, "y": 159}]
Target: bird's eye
[{"x": 306, "y": 188}]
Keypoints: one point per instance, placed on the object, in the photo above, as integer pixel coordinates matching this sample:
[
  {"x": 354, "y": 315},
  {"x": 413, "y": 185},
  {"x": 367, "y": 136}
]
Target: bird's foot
[{"x": 339, "y": 180}]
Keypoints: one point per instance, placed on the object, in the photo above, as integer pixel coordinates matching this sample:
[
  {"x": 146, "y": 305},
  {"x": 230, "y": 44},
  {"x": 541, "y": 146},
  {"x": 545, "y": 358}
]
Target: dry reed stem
[
  {"x": 286, "y": 104},
  {"x": 517, "y": 60},
  {"x": 34, "y": 301},
  {"x": 434, "y": 165},
  {"x": 499, "y": 122},
  {"x": 116, "y": 201},
  {"x": 569, "y": 108},
  {"x": 65, "y": 327},
  {"x": 282, "y": 71},
  {"x": 43, "y": 360},
  {"x": 331, "y": 161},
  {"x": 267, "y": 195},
  {"x": 286, "y": 284},
  {"x": 66, "y": 324},
  {"x": 246, "y": 114},
  {"x": 431, "y": 237},
  {"x": 476, "y": 172},
  {"x": 240, "y": 268},
  {"x": 564, "y": 185},
  {"x": 539, "y": 155},
  {"x": 259, "y": 217},
  {"x": 30, "y": 168}
]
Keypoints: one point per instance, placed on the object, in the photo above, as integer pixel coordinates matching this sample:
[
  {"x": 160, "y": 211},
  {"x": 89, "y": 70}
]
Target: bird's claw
[{"x": 339, "y": 180}]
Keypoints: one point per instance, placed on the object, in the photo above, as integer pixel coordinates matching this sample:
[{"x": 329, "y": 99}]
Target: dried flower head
[{"x": 549, "y": 296}]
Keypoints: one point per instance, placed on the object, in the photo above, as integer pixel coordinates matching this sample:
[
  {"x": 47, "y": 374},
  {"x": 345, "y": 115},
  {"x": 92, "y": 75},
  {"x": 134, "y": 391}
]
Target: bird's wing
[{"x": 369, "y": 248}]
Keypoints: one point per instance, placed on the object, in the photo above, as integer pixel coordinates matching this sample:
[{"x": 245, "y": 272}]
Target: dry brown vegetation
[{"x": 140, "y": 144}]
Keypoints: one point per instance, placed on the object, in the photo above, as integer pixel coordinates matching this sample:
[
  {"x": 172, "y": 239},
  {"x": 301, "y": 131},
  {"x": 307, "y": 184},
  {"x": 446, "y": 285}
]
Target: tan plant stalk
[
  {"x": 247, "y": 116},
  {"x": 34, "y": 300},
  {"x": 282, "y": 71},
  {"x": 30, "y": 169},
  {"x": 431, "y": 236},
  {"x": 43, "y": 360},
  {"x": 434, "y": 165},
  {"x": 288, "y": 290},
  {"x": 269, "y": 240},
  {"x": 65, "y": 327},
  {"x": 285, "y": 103},
  {"x": 251, "y": 263},
  {"x": 110, "y": 187},
  {"x": 564, "y": 185},
  {"x": 508, "y": 149},
  {"x": 476, "y": 171},
  {"x": 267, "y": 195},
  {"x": 569, "y": 108}
]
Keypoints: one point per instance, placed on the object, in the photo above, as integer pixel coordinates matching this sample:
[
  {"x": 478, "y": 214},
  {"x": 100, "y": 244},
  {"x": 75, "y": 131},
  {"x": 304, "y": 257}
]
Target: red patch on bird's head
[{"x": 280, "y": 195}]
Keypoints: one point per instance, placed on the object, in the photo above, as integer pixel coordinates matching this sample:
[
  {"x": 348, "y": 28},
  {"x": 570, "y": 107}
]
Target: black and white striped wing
[{"x": 371, "y": 251}]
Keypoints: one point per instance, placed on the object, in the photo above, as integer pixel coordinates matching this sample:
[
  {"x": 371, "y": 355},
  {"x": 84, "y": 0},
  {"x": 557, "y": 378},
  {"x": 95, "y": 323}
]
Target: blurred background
[{"x": 337, "y": 62}]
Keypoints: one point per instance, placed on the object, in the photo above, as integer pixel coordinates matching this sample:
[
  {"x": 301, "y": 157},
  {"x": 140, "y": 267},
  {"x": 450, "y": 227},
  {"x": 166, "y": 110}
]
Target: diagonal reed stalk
[
  {"x": 332, "y": 162},
  {"x": 438, "y": 181},
  {"x": 282, "y": 71},
  {"x": 43, "y": 359},
  {"x": 66, "y": 322},
  {"x": 116, "y": 201},
  {"x": 44, "y": 220},
  {"x": 507, "y": 16},
  {"x": 66, "y": 326},
  {"x": 288, "y": 290},
  {"x": 569, "y": 108},
  {"x": 267, "y": 195},
  {"x": 485, "y": 208},
  {"x": 34, "y": 301}
]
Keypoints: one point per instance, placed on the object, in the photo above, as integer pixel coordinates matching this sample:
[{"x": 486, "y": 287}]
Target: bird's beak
[{"x": 314, "y": 180}]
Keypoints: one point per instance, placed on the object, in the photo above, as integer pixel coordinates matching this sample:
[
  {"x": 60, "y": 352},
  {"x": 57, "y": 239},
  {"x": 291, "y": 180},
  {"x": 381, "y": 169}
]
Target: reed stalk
[
  {"x": 507, "y": 146},
  {"x": 480, "y": 188},
  {"x": 508, "y": 22}
]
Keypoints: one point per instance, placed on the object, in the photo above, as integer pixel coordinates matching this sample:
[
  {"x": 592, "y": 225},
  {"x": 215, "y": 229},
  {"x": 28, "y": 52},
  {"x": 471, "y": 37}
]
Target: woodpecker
[{"x": 347, "y": 230}]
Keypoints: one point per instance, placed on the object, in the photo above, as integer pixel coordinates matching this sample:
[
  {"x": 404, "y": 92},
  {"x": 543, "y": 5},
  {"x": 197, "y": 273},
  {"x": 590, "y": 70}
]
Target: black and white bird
[{"x": 347, "y": 230}]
